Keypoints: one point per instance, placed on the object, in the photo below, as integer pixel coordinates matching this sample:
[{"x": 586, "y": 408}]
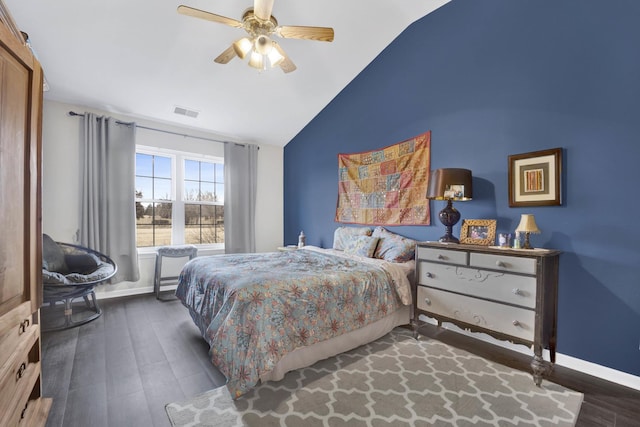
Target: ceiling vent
[{"x": 186, "y": 112}]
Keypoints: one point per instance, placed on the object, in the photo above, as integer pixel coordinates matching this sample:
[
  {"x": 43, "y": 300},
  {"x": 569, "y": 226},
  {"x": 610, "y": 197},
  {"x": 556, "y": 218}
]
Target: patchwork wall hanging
[{"x": 386, "y": 186}]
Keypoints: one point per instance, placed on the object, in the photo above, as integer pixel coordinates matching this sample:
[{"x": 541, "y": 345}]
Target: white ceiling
[{"x": 141, "y": 58}]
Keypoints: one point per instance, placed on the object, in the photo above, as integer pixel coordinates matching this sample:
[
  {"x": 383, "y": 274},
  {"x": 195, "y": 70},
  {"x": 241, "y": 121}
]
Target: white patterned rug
[{"x": 394, "y": 381}]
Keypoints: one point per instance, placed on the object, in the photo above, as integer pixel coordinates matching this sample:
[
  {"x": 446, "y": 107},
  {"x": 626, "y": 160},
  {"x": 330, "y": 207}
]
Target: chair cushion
[
  {"x": 53, "y": 256},
  {"x": 82, "y": 263}
]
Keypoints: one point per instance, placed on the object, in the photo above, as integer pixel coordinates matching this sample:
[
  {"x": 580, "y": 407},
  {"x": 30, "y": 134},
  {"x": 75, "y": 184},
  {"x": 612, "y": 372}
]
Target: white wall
[{"x": 61, "y": 136}]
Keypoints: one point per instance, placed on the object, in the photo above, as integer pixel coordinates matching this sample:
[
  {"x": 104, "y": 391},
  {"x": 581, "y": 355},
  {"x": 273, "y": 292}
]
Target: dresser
[
  {"x": 510, "y": 294},
  {"x": 21, "y": 80}
]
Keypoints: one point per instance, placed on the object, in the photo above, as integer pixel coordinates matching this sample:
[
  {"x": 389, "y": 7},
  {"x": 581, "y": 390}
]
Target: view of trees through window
[{"x": 193, "y": 215}]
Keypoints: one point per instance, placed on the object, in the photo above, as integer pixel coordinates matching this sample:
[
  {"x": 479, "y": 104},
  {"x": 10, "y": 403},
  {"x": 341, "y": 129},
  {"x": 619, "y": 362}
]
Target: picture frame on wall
[
  {"x": 535, "y": 178},
  {"x": 478, "y": 232}
]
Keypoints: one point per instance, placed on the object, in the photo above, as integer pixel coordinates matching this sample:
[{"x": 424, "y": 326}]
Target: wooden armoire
[{"x": 21, "y": 80}]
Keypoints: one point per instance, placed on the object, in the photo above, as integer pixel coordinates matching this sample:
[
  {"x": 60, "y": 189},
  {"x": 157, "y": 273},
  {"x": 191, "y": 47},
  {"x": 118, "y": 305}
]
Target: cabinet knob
[
  {"x": 501, "y": 264},
  {"x": 23, "y": 326},
  {"x": 427, "y": 301},
  {"x": 516, "y": 323},
  {"x": 429, "y": 275},
  {"x": 517, "y": 291},
  {"x": 20, "y": 373},
  {"x": 441, "y": 257}
]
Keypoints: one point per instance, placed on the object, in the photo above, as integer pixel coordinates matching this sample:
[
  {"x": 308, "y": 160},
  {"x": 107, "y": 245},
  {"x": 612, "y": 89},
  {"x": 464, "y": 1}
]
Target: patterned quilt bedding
[{"x": 254, "y": 308}]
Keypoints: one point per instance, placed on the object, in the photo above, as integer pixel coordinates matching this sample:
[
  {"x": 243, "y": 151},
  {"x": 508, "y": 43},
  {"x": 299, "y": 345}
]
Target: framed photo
[
  {"x": 534, "y": 178},
  {"x": 478, "y": 232}
]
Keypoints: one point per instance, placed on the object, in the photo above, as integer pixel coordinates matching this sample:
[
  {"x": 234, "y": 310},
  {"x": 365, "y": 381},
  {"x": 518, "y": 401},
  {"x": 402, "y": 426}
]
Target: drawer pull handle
[
  {"x": 20, "y": 373},
  {"x": 516, "y": 323},
  {"x": 429, "y": 275},
  {"x": 501, "y": 264},
  {"x": 23, "y": 327},
  {"x": 427, "y": 301},
  {"x": 441, "y": 257},
  {"x": 517, "y": 291}
]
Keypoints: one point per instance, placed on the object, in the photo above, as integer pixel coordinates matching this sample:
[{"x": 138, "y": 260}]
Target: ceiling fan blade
[
  {"x": 287, "y": 64},
  {"x": 262, "y": 9},
  {"x": 324, "y": 34},
  {"x": 226, "y": 56},
  {"x": 197, "y": 13}
]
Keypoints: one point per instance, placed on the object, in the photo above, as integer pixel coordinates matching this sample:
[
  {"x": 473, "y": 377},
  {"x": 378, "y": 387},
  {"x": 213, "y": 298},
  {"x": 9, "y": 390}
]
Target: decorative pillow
[
  {"x": 343, "y": 234},
  {"x": 393, "y": 247},
  {"x": 361, "y": 245},
  {"x": 52, "y": 255}
]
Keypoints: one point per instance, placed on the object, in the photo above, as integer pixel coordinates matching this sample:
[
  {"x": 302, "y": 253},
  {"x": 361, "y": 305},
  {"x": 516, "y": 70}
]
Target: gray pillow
[{"x": 52, "y": 255}]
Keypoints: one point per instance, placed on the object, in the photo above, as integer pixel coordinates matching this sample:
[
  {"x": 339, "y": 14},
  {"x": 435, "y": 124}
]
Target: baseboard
[
  {"x": 589, "y": 368},
  {"x": 120, "y": 293}
]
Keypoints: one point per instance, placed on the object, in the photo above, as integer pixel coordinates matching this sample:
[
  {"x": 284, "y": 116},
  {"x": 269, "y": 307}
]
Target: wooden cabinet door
[{"x": 20, "y": 110}]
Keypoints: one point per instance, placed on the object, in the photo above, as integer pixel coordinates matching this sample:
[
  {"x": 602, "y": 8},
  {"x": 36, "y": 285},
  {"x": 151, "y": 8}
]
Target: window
[{"x": 179, "y": 198}]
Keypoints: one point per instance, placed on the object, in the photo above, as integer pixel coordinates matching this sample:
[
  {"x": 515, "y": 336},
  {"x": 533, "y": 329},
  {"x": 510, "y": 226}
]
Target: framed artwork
[
  {"x": 534, "y": 178},
  {"x": 478, "y": 232}
]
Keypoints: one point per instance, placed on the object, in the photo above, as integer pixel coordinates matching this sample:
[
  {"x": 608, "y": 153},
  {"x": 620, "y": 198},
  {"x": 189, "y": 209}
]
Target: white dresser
[{"x": 510, "y": 294}]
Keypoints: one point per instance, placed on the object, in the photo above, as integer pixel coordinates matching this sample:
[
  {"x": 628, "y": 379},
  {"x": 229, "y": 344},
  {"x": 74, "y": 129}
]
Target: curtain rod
[{"x": 73, "y": 113}]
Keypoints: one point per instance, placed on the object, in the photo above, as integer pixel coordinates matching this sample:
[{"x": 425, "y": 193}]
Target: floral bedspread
[{"x": 254, "y": 308}]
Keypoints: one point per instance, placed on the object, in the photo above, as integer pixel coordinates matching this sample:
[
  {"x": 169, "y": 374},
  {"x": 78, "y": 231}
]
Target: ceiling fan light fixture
[
  {"x": 242, "y": 47},
  {"x": 256, "y": 60},
  {"x": 263, "y": 45},
  {"x": 275, "y": 58}
]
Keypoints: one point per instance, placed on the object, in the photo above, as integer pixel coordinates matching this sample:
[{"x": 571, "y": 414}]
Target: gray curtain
[
  {"x": 240, "y": 183},
  {"x": 108, "y": 213}
]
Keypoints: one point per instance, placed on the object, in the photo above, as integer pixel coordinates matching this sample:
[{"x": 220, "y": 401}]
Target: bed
[{"x": 264, "y": 314}]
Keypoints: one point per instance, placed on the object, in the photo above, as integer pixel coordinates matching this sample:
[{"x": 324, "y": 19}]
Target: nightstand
[{"x": 287, "y": 248}]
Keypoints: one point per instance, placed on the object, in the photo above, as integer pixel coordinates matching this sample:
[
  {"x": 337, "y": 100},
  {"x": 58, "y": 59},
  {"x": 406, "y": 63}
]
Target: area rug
[{"x": 394, "y": 381}]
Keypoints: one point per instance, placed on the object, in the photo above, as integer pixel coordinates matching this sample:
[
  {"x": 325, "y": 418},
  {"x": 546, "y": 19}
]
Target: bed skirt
[{"x": 307, "y": 356}]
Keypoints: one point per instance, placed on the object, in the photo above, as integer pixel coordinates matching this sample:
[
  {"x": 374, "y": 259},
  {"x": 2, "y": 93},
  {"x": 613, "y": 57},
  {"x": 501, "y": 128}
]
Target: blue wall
[{"x": 498, "y": 77}]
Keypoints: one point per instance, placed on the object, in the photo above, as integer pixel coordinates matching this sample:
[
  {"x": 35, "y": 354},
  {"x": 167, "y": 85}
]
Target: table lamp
[
  {"x": 527, "y": 226},
  {"x": 450, "y": 184}
]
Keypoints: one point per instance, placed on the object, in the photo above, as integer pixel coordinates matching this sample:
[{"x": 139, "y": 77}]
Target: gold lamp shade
[
  {"x": 527, "y": 226},
  {"x": 450, "y": 184}
]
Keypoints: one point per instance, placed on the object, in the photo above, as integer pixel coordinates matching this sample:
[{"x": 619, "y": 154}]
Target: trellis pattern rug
[{"x": 394, "y": 381}]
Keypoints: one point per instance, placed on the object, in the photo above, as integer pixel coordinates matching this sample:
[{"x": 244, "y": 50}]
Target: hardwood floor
[{"x": 122, "y": 368}]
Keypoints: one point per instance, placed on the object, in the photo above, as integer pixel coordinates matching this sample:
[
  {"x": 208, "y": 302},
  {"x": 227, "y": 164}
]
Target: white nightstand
[{"x": 287, "y": 248}]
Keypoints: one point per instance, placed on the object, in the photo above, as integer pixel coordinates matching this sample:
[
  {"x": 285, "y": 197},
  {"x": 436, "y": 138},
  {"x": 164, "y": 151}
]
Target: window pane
[
  {"x": 162, "y": 189},
  {"x": 162, "y": 167},
  {"x": 144, "y": 164},
  {"x": 162, "y": 214},
  {"x": 220, "y": 193},
  {"x": 208, "y": 214},
  {"x": 219, "y": 172},
  {"x": 191, "y": 214},
  {"x": 191, "y": 191},
  {"x": 192, "y": 234},
  {"x": 206, "y": 171},
  {"x": 144, "y": 235},
  {"x": 144, "y": 187},
  {"x": 207, "y": 192},
  {"x": 191, "y": 170}
]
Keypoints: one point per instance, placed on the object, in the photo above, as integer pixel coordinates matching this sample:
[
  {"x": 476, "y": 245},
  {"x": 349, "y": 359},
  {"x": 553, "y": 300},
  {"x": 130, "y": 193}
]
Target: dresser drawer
[
  {"x": 503, "y": 262},
  {"x": 494, "y": 285},
  {"x": 506, "y": 319},
  {"x": 442, "y": 255}
]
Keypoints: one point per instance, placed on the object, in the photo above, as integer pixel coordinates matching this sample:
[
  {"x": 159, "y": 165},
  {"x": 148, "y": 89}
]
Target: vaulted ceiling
[{"x": 142, "y": 59}]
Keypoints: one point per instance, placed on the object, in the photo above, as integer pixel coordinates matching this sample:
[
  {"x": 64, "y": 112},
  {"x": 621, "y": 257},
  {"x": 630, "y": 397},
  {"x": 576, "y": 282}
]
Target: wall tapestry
[{"x": 386, "y": 186}]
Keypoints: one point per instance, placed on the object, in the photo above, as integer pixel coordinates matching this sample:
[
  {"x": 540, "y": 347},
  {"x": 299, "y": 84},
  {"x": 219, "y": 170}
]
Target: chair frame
[{"x": 67, "y": 293}]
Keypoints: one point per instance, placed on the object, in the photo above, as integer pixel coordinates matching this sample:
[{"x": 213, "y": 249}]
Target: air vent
[{"x": 186, "y": 112}]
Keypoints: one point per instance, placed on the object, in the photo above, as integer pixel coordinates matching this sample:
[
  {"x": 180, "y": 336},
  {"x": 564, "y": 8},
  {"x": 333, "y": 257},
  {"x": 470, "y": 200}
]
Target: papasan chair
[{"x": 70, "y": 272}]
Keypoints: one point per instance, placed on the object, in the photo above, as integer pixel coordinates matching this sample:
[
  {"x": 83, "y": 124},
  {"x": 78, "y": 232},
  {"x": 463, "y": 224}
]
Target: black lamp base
[{"x": 449, "y": 217}]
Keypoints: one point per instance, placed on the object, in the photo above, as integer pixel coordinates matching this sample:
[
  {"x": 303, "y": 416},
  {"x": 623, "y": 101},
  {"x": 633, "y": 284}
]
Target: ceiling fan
[{"x": 260, "y": 25}]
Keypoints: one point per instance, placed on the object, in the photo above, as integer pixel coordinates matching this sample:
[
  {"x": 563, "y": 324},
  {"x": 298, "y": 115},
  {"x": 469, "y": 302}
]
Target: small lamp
[
  {"x": 527, "y": 226},
  {"x": 450, "y": 184}
]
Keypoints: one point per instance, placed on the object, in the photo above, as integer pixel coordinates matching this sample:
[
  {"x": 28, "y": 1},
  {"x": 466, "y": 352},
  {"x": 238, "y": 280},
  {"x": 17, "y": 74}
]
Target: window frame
[{"x": 177, "y": 192}]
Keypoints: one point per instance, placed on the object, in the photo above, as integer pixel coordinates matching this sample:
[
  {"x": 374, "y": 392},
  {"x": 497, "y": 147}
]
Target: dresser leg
[
  {"x": 414, "y": 326},
  {"x": 539, "y": 368}
]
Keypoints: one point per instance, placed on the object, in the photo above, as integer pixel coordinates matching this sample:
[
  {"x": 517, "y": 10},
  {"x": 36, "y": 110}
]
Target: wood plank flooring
[{"x": 122, "y": 368}]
